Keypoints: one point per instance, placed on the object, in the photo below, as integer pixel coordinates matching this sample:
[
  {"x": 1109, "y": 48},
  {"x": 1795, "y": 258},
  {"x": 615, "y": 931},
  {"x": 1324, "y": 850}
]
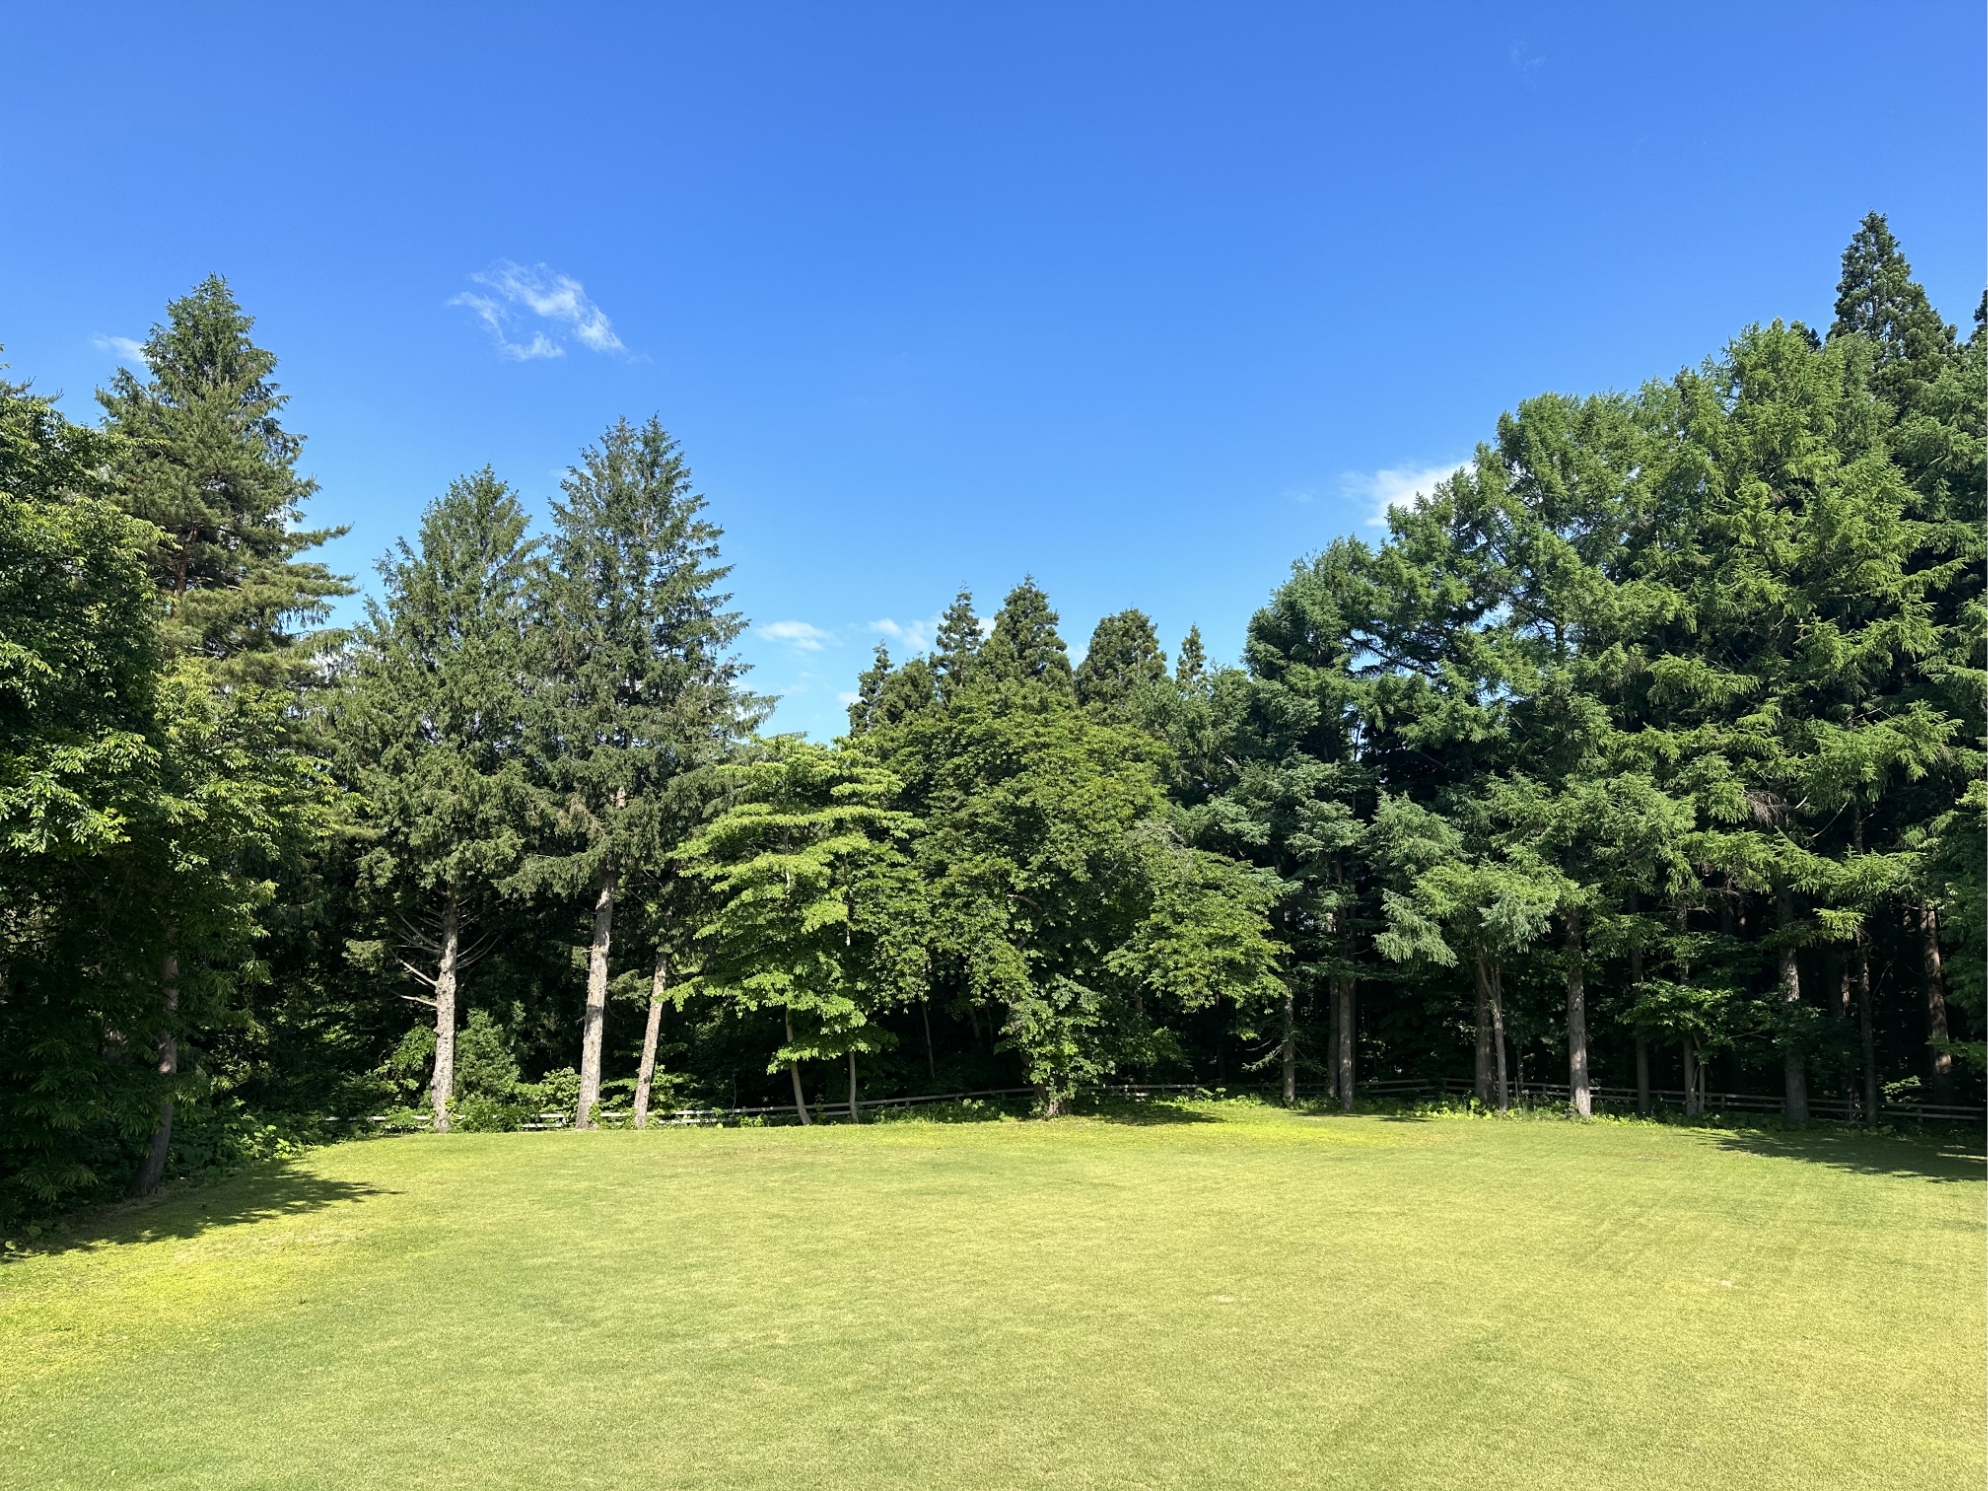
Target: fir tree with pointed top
[
  {"x": 1878, "y": 298},
  {"x": 1124, "y": 659},
  {"x": 959, "y": 642},
  {"x": 1025, "y": 646},
  {"x": 205, "y": 457}
]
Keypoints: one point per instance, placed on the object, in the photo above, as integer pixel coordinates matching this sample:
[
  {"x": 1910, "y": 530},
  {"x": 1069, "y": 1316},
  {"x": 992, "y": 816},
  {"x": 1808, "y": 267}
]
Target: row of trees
[{"x": 1649, "y": 742}]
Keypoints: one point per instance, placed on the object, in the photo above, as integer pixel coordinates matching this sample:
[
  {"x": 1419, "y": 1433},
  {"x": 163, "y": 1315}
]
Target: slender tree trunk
[
  {"x": 931, "y": 1058},
  {"x": 1867, "y": 1031},
  {"x": 645, "y": 1074},
  {"x": 1936, "y": 1003},
  {"x": 1498, "y": 1034},
  {"x": 1289, "y": 1051},
  {"x": 1794, "y": 1067},
  {"x": 153, "y": 1170},
  {"x": 1642, "y": 1046},
  {"x": 794, "y": 1071},
  {"x": 1694, "y": 1101},
  {"x": 596, "y": 1016},
  {"x": 442, "y": 1088},
  {"x": 1344, "y": 987},
  {"x": 855, "y": 1113},
  {"x": 1482, "y": 1074},
  {"x": 1578, "y": 1094}
]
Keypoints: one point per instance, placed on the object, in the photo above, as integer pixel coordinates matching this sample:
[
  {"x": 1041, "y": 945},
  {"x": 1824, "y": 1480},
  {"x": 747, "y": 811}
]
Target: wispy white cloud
[
  {"x": 1526, "y": 65},
  {"x": 847, "y": 697},
  {"x": 796, "y": 634},
  {"x": 520, "y": 290},
  {"x": 915, "y": 635},
  {"x": 126, "y": 349},
  {"x": 1394, "y": 486}
]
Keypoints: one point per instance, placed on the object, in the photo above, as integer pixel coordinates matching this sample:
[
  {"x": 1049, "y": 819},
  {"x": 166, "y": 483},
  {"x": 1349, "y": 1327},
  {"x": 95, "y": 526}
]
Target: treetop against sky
[{"x": 1143, "y": 300}]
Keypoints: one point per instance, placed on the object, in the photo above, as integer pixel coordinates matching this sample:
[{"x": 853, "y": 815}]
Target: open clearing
[{"x": 1217, "y": 1296}]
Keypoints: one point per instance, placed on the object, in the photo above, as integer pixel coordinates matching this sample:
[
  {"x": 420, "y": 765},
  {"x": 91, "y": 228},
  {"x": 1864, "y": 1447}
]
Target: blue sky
[{"x": 1146, "y": 300}]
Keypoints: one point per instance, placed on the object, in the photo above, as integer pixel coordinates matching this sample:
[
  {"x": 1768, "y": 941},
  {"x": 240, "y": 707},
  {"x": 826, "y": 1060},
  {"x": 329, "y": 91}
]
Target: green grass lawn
[{"x": 1234, "y": 1297}]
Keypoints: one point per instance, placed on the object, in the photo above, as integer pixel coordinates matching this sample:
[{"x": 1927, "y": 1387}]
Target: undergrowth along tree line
[{"x": 1647, "y": 746}]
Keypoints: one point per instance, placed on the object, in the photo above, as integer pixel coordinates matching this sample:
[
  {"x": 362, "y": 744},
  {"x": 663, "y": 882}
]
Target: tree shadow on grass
[
  {"x": 263, "y": 1193},
  {"x": 1140, "y": 1112},
  {"x": 1939, "y": 1155}
]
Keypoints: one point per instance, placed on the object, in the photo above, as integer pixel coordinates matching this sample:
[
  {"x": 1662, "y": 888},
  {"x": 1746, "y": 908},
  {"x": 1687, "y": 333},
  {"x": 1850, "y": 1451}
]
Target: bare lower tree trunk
[
  {"x": 1867, "y": 1031},
  {"x": 931, "y": 1058},
  {"x": 596, "y": 1016},
  {"x": 1936, "y": 1003},
  {"x": 1578, "y": 1094},
  {"x": 855, "y": 1113},
  {"x": 442, "y": 1088},
  {"x": 1642, "y": 1046},
  {"x": 153, "y": 1170},
  {"x": 1343, "y": 990},
  {"x": 645, "y": 1074},
  {"x": 1498, "y": 1034},
  {"x": 1289, "y": 1050},
  {"x": 1482, "y": 1071},
  {"x": 1694, "y": 1102},
  {"x": 794, "y": 1071},
  {"x": 1794, "y": 1067}
]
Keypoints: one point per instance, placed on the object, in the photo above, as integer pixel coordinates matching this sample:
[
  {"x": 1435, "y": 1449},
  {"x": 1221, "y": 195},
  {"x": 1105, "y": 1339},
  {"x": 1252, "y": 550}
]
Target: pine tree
[
  {"x": 205, "y": 457},
  {"x": 637, "y": 690},
  {"x": 957, "y": 644},
  {"x": 1877, "y": 298},
  {"x": 1123, "y": 661},
  {"x": 1024, "y": 646},
  {"x": 432, "y": 732}
]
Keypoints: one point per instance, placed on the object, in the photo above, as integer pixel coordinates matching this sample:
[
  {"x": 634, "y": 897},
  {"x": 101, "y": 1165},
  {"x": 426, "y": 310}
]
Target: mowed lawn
[{"x": 1233, "y": 1297}]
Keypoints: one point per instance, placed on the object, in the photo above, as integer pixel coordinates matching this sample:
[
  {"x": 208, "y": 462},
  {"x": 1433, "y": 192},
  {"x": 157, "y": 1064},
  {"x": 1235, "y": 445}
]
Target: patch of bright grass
[{"x": 1213, "y": 1295}]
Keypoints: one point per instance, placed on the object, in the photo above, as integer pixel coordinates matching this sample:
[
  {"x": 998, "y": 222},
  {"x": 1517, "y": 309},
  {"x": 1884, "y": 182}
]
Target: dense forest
[{"x": 1646, "y": 753}]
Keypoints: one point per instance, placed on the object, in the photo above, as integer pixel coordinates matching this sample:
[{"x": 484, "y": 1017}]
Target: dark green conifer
[
  {"x": 1025, "y": 646},
  {"x": 207, "y": 460},
  {"x": 1124, "y": 658}
]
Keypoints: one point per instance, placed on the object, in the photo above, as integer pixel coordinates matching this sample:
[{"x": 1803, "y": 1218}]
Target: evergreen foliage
[{"x": 1646, "y": 748}]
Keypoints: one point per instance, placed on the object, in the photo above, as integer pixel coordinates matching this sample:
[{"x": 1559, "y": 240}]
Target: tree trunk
[
  {"x": 442, "y": 1088},
  {"x": 1794, "y": 1067},
  {"x": 1343, "y": 987},
  {"x": 794, "y": 1071},
  {"x": 596, "y": 1016},
  {"x": 1498, "y": 1034},
  {"x": 645, "y": 1074},
  {"x": 1867, "y": 1031},
  {"x": 1642, "y": 1046},
  {"x": 1578, "y": 1094},
  {"x": 1289, "y": 1051},
  {"x": 855, "y": 1113},
  {"x": 153, "y": 1170},
  {"x": 1482, "y": 1072},
  {"x": 931, "y": 1059},
  {"x": 1694, "y": 1101},
  {"x": 1936, "y": 1003}
]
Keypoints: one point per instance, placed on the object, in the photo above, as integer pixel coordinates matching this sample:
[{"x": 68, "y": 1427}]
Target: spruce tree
[
  {"x": 205, "y": 457},
  {"x": 1123, "y": 661},
  {"x": 432, "y": 733},
  {"x": 637, "y": 689},
  {"x": 1025, "y": 646}
]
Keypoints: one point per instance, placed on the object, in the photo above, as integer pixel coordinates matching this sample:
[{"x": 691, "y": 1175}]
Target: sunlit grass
[{"x": 1236, "y": 1297}]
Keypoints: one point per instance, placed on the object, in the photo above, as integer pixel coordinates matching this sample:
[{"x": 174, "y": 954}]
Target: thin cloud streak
[
  {"x": 535, "y": 290},
  {"x": 796, "y": 634},
  {"x": 1395, "y": 486},
  {"x": 126, "y": 349}
]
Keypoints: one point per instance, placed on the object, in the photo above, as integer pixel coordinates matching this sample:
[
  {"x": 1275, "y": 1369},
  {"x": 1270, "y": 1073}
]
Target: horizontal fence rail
[{"x": 1531, "y": 1093}]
